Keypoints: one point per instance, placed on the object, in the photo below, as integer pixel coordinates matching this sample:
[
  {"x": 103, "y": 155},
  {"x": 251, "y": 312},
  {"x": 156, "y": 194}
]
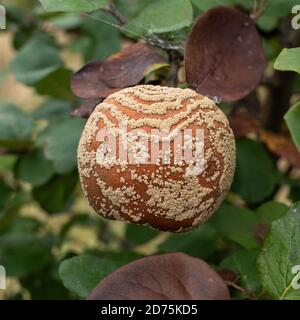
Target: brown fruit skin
[
  {"x": 170, "y": 276},
  {"x": 159, "y": 217}
]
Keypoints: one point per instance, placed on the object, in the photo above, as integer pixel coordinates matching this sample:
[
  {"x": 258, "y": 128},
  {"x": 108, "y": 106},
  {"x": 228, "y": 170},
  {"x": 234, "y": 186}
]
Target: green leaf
[
  {"x": 81, "y": 274},
  {"x": 131, "y": 8},
  {"x": 157, "y": 67},
  {"x": 52, "y": 110},
  {"x": 292, "y": 118},
  {"x": 35, "y": 61},
  {"x": 279, "y": 8},
  {"x": 202, "y": 242},
  {"x": 288, "y": 60},
  {"x": 25, "y": 253},
  {"x": 35, "y": 169},
  {"x": 12, "y": 208},
  {"x": 280, "y": 254},
  {"x": 274, "y": 9},
  {"x": 243, "y": 262},
  {"x": 236, "y": 224},
  {"x": 15, "y": 127},
  {"x": 61, "y": 144},
  {"x": 7, "y": 162},
  {"x": 271, "y": 211},
  {"x": 246, "y": 4},
  {"x": 23, "y": 226},
  {"x": 137, "y": 234},
  {"x": 5, "y": 193},
  {"x": 56, "y": 195},
  {"x": 57, "y": 84},
  {"x": 204, "y": 5},
  {"x": 255, "y": 175},
  {"x": 73, "y": 5},
  {"x": 120, "y": 257},
  {"x": 162, "y": 16},
  {"x": 100, "y": 39},
  {"x": 48, "y": 287},
  {"x": 66, "y": 20},
  {"x": 272, "y": 48},
  {"x": 267, "y": 23}
]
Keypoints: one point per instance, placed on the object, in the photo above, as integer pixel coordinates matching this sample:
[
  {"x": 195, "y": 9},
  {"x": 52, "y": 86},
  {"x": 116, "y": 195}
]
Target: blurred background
[{"x": 44, "y": 218}]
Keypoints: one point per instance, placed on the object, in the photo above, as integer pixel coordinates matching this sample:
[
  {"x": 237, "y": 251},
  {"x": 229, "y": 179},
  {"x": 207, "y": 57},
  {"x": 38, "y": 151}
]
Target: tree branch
[
  {"x": 113, "y": 11},
  {"x": 278, "y": 101},
  {"x": 175, "y": 58},
  {"x": 154, "y": 39},
  {"x": 245, "y": 291},
  {"x": 258, "y": 10},
  {"x": 280, "y": 92}
]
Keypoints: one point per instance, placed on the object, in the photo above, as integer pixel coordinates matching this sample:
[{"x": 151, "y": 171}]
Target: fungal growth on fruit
[
  {"x": 159, "y": 156},
  {"x": 170, "y": 276}
]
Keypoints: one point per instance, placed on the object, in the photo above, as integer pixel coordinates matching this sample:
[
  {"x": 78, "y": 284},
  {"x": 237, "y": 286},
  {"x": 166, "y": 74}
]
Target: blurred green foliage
[{"x": 38, "y": 158}]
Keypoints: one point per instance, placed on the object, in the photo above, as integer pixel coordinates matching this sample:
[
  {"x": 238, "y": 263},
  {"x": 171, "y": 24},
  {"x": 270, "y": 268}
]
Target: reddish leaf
[
  {"x": 87, "y": 82},
  {"x": 163, "y": 277},
  {"x": 281, "y": 146},
  {"x": 99, "y": 79},
  {"x": 260, "y": 231},
  {"x": 243, "y": 124},
  {"x": 224, "y": 56},
  {"x": 86, "y": 108},
  {"x": 228, "y": 275}
]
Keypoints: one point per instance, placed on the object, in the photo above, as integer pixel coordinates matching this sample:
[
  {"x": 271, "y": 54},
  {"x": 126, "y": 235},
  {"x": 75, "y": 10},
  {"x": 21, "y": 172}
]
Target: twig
[
  {"x": 112, "y": 10},
  {"x": 19, "y": 152},
  {"x": 278, "y": 100},
  {"x": 175, "y": 58},
  {"x": 165, "y": 44},
  {"x": 246, "y": 291},
  {"x": 258, "y": 10},
  {"x": 254, "y": 6},
  {"x": 279, "y": 95},
  {"x": 122, "y": 20},
  {"x": 175, "y": 51}
]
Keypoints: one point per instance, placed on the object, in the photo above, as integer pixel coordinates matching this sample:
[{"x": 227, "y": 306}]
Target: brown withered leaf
[
  {"x": 86, "y": 108},
  {"x": 99, "y": 79},
  {"x": 228, "y": 275},
  {"x": 88, "y": 83},
  {"x": 224, "y": 57},
  {"x": 260, "y": 231},
  {"x": 163, "y": 277},
  {"x": 281, "y": 146},
  {"x": 243, "y": 123}
]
